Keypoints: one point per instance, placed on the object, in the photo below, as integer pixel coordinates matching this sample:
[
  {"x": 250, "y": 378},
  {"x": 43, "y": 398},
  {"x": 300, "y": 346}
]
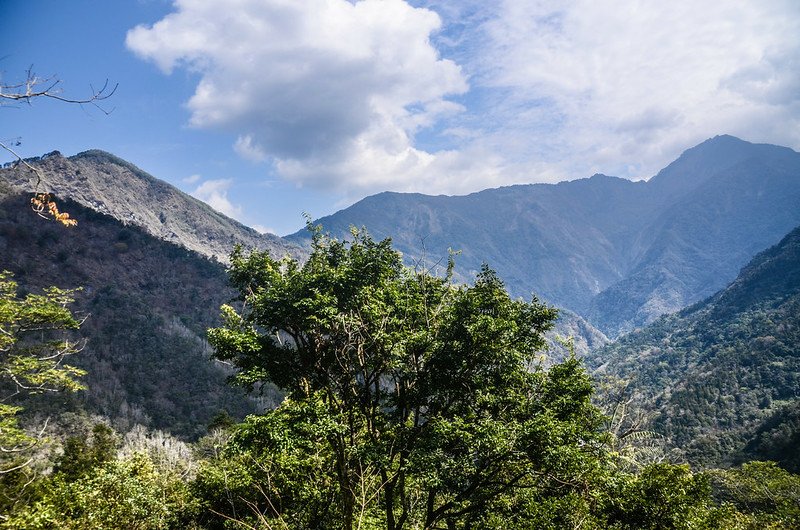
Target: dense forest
[
  {"x": 721, "y": 379},
  {"x": 145, "y": 306},
  {"x": 410, "y": 402}
]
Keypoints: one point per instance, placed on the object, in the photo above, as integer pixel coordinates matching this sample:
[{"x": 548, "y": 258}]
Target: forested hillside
[
  {"x": 147, "y": 304},
  {"x": 721, "y": 379}
]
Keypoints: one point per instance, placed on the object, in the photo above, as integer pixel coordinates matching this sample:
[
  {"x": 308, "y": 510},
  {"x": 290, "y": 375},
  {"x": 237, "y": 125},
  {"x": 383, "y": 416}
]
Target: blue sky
[{"x": 269, "y": 108}]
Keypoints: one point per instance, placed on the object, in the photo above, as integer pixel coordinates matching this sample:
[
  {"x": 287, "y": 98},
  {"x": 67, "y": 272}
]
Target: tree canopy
[
  {"x": 414, "y": 401},
  {"x": 33, "y": 351}
]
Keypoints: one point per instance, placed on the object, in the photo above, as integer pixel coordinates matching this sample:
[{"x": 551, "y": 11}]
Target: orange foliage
[{"x": 44, "y": 205}]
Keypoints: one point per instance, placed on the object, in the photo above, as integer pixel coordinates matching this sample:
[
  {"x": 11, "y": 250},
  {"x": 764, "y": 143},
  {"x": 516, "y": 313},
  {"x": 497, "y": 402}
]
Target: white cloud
[
  {"x": 312, "y": 84},
  {"x": 354, "y": 95},
  {"x": 248, "y": 149},
  {"x": 215, "y": 194},
  {"x": 191, "y": 179},
  {"x": 611, "y": 83},
  {"x": 264, "y": 229}
]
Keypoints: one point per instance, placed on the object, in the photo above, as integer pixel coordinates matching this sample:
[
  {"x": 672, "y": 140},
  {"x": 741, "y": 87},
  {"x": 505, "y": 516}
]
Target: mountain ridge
[
  {"x": 108, "y": 184},
  {"x": 617, "y": 252}
]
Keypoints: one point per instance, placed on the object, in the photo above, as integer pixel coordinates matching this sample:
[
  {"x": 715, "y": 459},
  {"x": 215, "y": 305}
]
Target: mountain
[
  {"x": 557, "y": 240},
  {"x": 720, "y": 379},
  {"x": 741, "y": 198},
  {"x": 147, "y": 304},
  {"x": 110, "y": 185},
  {"x": 149, "y": 262},
  {"x": 617, "y": 253}
]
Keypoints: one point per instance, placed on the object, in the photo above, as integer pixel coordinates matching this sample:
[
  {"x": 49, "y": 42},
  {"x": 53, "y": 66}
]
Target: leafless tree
[{"x": 49, "y": 87}]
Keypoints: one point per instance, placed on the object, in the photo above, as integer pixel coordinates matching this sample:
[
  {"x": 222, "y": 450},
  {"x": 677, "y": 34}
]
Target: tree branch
[{"x": 36, "y": 87}]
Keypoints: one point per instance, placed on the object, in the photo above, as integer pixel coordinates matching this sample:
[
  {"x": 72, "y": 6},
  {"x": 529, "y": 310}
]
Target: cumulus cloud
[
  {"x": 311, "y": 85},
  {"x": 369, "y": 95},
  {"x": 215, "y": 193}
]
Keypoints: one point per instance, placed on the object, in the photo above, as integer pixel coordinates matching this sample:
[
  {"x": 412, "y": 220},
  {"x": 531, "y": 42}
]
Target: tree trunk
[
  {"x": 347, "y": 497},
  {"x": 388, "y": 501}
]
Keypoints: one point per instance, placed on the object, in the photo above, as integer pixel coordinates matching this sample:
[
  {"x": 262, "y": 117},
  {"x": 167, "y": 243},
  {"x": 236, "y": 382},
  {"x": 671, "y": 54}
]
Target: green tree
[
  {"x": 666, "y": 496},
  {"x": 127, "y": 493},
  {"x": 769, "y": 495},
  {"x": 33, "y": 351},
  {"x": 84, "y": 453},
  {"x": 412, "y": 402}
]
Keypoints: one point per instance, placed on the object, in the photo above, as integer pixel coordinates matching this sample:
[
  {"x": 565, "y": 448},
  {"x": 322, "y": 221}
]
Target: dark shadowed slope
[{"x": 148, "y": 304}]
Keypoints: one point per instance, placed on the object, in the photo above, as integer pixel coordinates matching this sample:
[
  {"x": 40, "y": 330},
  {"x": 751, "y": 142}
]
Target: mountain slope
[
  {"x": 148, "y": 304},
  {"x": 560, "y": 241},
  {"x": 616, "y": 252},
  {"x": 720, "y": 371},
  {"x": 110, "y": 185},
  {"x": 699, "y": 242}
]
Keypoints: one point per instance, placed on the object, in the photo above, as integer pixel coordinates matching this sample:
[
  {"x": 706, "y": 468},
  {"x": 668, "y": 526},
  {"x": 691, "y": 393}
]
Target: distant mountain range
[
  {"x": 721, "y": 379},
  {"x": 613, "y": 252},
  {"x": 616, "y": 252}
]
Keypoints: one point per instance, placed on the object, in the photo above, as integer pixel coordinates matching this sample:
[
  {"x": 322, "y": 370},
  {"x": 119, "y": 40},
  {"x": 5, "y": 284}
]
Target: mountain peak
[
  {"x": 94, "y": 179},
  {"x": 709, "y": 158},
  {"x": 97, "y": 154},
  {"x": 722, "y": 139}
]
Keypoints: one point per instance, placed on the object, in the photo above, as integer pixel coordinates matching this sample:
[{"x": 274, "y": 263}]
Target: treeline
[
  {"x": 410, "y": 403},
  {"x": 150, "y": 480}
]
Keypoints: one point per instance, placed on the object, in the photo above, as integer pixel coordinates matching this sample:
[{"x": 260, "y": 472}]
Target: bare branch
[
  {"x": 36, "y": 87},
  {"x": 41, "y": 203}
]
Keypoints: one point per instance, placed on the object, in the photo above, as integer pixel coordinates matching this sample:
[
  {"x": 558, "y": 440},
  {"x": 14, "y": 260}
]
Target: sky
[{"x": 266, "y": 109}]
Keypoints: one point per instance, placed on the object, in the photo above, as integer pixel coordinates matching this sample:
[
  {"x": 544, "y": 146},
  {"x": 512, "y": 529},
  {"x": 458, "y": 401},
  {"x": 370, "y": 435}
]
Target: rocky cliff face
[{"x": 110, "y": 185}]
